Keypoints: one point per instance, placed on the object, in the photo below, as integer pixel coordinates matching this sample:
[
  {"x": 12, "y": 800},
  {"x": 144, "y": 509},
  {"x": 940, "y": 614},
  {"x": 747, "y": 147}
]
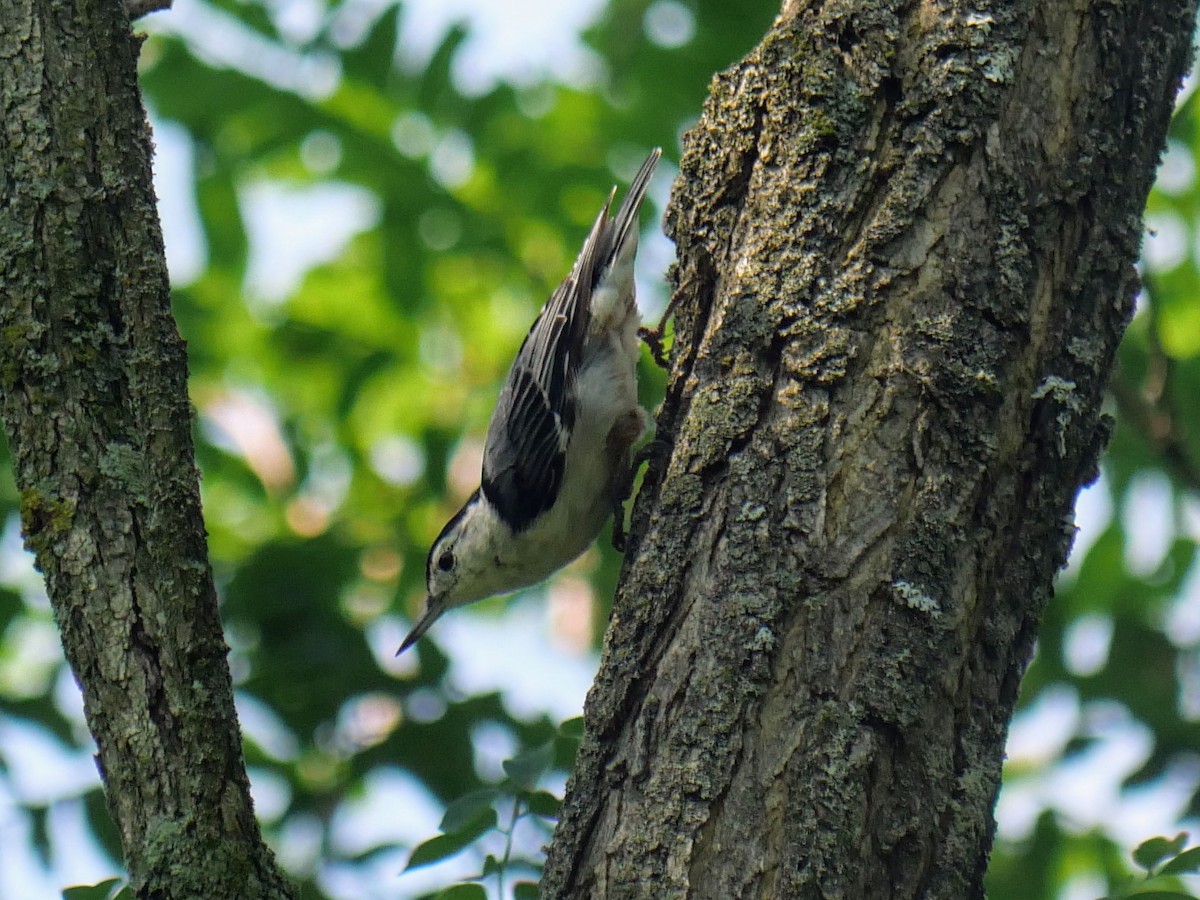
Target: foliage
[
  {"x": 470, "y": 817},
  {"x": 109, "y": 889},
  {"x": 1163, "y": 860},
  {"x": 341, "y": 403}
]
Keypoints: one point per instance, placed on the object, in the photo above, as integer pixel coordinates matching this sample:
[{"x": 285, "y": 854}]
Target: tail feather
[
  {"x": 626, "y": 218},
  {"x": 611, "y": 299}
]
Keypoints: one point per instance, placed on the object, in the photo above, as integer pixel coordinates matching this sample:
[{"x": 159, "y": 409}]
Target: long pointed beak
[{"x": 433, "y": 612}]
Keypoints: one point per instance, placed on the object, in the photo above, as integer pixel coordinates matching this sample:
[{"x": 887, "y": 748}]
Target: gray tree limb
[
  {"x": 93, "y": 397},
  {"x": 905, "y": 236}
]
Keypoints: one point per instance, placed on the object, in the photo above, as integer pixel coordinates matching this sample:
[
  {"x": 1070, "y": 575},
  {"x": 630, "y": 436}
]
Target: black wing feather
[{"x": 526, "y": 447}]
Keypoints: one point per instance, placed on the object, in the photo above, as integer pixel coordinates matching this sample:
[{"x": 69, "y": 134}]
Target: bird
[{"x": 557, "y": 461}]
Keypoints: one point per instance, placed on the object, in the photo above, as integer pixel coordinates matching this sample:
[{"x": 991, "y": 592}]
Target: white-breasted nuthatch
[{"x": 557, "y": 457}]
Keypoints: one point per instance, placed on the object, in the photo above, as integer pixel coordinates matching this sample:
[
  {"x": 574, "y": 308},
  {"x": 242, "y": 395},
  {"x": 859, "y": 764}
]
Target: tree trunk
[
  {"x": 905, "y": 236},
  {"x": 94, "y": 402}
]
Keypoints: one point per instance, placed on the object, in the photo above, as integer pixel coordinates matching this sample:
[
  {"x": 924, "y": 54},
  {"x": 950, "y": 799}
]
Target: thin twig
[{"x": 508, "y": 842}]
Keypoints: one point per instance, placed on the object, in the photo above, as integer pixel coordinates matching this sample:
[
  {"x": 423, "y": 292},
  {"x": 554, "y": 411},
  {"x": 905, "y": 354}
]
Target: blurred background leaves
[{"x": 364, "y": 205}]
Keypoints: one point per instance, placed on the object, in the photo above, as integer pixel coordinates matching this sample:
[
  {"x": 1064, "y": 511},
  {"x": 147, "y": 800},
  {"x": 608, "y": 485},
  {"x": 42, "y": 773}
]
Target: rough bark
[
  {"x": 94, "y": 402},
  {"x": 905, "y": 234}
]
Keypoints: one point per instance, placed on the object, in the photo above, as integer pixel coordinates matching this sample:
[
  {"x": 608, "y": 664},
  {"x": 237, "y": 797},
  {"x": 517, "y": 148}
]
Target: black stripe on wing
[
  {"x": 525, "y": 452},
  {"x": 523, "y": 482}
]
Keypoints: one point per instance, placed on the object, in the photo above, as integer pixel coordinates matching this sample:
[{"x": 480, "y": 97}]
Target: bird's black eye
[{"x": 445, "y": 562}]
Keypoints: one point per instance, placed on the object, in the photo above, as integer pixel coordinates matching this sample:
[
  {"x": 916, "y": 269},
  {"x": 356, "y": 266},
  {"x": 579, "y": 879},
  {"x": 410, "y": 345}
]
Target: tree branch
[{"x": 93, "y": 396}]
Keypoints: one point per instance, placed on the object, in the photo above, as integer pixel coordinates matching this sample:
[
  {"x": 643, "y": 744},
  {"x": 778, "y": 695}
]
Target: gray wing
[
  {"x": 525, "y": 452},
  {"x": 526, "y": 447}
]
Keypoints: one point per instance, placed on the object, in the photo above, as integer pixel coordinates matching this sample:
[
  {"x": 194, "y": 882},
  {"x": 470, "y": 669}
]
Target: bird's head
[{"x": 463, "y": 564}]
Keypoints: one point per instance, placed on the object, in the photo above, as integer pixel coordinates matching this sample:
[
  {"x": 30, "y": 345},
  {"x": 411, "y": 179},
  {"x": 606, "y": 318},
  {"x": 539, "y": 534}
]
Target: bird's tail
[
  {"x": 626, "y": 219},
  {"x": 613, "y": 306}
]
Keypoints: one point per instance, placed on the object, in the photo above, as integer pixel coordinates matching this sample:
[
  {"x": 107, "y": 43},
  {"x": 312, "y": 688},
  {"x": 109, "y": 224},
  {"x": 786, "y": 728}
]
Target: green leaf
[
  {"x": 1162, "y": 895},
  {"x": 372, "y": 60},
  {"x": 543, "y": 803},
  {"x": 526, "y": 768},
  {"x": 526, "y": 890},
  {"x": 1187, "y": 861},
  {"x": 461, "y": 811},
  {"x": 100, "y": 891},
  {"x": 490, "y": 867},
  {"x": 1153, "y": 851},
  {"x": 101, "y": 823},
  {"x": 446, "y": 845},
  {"x": 463, "y": 892},
  {"x": 572, "y": 728}
]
